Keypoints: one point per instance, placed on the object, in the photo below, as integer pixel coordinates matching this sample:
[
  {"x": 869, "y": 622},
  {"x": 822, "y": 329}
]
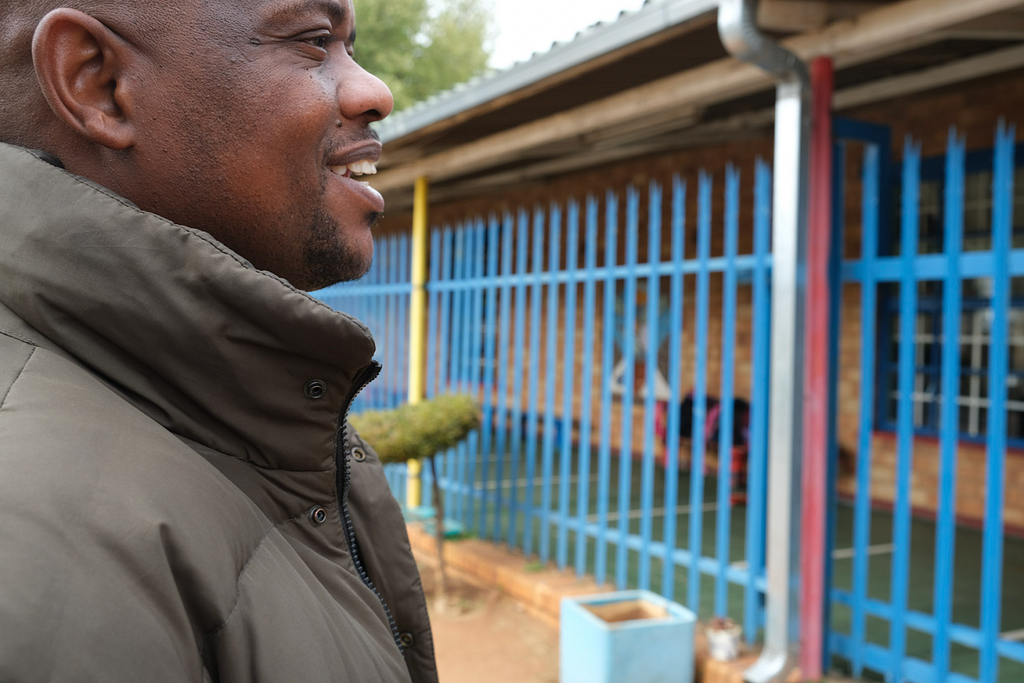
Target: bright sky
[{"x": 527, "y": 26}]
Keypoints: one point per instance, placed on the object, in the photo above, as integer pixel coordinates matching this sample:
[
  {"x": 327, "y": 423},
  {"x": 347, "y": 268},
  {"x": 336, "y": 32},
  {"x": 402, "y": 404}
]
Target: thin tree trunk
[{"x": 439, "y": 532}]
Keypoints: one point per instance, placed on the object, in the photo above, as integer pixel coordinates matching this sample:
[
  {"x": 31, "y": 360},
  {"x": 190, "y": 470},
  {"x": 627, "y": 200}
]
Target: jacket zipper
[{"x": 341, "y": 448}]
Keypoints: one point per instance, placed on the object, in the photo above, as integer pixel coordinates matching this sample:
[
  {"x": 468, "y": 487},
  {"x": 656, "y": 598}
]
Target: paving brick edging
[
  {"x": 486, "y": 564},
  {"x": 540, "y": 591}
]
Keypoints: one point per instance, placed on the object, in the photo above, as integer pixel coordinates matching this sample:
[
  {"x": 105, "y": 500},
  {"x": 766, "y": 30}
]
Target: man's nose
[{"x": 361, "y": 95}]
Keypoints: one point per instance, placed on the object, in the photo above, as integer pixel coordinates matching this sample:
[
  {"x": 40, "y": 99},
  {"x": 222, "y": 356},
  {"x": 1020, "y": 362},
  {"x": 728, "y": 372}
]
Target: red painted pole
[{"x": 813, "y": 591}]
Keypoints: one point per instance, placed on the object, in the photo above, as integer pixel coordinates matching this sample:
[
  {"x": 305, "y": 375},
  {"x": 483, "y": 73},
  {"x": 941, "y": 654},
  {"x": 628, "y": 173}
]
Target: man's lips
[
  {"x": 373, "y": 199},
  {"x": 368, "y": 151},
  {"x": 355, "y": 162}
]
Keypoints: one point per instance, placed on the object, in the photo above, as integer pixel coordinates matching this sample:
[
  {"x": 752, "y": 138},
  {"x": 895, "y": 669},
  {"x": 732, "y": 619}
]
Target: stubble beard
[{"x": 327, "y": 258}]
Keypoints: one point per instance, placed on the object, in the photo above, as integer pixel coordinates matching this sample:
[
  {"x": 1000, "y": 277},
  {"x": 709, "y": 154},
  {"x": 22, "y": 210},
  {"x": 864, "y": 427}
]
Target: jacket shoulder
[
  {"x": 57, "y": 421},
  {"x": 117, "y": 538}
]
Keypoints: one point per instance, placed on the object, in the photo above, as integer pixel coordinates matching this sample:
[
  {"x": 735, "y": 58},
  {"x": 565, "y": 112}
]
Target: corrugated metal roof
[{"x": 601, "y": 38}]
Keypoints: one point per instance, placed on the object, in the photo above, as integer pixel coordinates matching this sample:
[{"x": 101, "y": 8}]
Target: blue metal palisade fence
[
  {"x": 539, "y": 314},
  {"x": 583, "y": 347},
  {"x": 927, "y": 614}
]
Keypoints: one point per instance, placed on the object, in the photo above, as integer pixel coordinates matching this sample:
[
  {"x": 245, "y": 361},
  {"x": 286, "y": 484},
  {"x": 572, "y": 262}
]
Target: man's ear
[{"x": 80, "y": 65}]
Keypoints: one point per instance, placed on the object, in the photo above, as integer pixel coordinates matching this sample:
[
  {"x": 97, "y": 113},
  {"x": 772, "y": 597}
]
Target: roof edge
[{"x": 588, "y": 44}]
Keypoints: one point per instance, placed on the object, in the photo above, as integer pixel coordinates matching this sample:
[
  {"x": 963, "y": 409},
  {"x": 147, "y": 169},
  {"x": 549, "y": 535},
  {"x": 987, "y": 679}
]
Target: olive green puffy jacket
[{"x": 177, "y": 496}]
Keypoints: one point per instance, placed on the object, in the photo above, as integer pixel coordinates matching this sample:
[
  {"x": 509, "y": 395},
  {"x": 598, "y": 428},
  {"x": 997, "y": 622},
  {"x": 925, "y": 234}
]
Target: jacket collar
[{"x": 181, "y": 326}]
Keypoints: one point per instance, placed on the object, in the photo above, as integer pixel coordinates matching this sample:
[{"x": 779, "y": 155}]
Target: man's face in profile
[{"x": 249, "y": 117}]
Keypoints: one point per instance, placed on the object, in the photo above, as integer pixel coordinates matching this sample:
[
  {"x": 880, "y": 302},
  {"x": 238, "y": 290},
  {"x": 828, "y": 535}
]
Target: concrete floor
[{"x": 482, "y": 635}]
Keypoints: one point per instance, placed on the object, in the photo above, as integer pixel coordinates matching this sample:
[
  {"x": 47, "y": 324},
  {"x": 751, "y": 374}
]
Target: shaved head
[{"x": 243, "y": 118}]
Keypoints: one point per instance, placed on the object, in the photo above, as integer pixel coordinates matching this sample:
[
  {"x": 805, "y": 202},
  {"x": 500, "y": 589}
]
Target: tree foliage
[
  {"x": 419, "y": 47},
  {"x": 420, "y": 430}
]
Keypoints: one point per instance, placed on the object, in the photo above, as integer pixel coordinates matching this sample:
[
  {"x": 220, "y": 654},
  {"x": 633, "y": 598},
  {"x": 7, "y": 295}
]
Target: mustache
[{"x": 365, "y": 135}]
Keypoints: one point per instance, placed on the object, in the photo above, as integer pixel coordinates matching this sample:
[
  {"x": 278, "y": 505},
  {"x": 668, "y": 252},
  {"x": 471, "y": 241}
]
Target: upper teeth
[{"x": 361, "y": 167}]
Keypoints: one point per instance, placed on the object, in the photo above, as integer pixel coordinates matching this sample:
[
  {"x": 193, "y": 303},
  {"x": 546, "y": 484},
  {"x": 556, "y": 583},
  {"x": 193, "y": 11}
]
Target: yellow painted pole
[{"x": 417, "y": 324}]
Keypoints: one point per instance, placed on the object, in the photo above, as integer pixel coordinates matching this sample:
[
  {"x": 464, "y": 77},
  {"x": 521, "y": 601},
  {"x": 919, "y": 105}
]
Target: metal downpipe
[{"x": 741, "y": 37}]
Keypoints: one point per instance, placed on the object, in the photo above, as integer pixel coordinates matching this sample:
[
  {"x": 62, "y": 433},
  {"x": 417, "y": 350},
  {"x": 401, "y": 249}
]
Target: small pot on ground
[{"x": 724, "y": 636}]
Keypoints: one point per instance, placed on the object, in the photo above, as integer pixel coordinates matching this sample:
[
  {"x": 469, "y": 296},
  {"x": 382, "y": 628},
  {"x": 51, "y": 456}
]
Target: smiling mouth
[{"x": 354, "y": 171}]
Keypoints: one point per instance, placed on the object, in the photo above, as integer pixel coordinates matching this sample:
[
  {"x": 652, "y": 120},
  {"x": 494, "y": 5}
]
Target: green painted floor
[
  {"x": 967, "y": 573},
  {"x": 966, "y": 588}
]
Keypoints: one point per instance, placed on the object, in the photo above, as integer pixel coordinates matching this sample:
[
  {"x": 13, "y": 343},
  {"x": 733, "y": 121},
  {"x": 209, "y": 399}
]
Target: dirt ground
[{"x": 481, "y": 636}]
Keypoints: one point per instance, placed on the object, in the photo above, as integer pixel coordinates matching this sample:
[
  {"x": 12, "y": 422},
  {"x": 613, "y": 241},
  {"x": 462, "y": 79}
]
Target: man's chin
[
  {"x": 321, "y": 277},
  {"x": 324, "y": 268},
  {"x": 332, "y": 255}
]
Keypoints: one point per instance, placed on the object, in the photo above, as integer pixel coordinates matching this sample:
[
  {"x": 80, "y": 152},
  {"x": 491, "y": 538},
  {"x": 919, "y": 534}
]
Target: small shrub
[{"x": 414, "y": 432}]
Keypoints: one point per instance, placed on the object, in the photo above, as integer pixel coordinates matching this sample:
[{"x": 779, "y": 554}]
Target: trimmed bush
[{"x": 413, "y": 432}]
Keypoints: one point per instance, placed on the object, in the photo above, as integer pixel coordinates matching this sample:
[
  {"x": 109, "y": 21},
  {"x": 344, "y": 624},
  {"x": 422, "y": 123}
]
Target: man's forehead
[{"x": 338, "y": 11}]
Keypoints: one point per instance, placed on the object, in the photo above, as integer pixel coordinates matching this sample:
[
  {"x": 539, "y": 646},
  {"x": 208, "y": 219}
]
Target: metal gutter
[
  {"x": 594, "y": 42},
  {"x": 741, "y": 37}
]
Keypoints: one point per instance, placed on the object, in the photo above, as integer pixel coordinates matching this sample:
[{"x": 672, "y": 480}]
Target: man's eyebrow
[{"x": 302, "y": 8}]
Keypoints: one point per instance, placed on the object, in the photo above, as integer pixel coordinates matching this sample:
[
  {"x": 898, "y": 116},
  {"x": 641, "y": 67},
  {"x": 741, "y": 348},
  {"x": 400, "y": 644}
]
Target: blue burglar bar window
[{"x": 975, "y": 318}]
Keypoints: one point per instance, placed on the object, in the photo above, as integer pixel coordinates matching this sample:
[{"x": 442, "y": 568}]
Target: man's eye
[{"x": 321, "y": 41}]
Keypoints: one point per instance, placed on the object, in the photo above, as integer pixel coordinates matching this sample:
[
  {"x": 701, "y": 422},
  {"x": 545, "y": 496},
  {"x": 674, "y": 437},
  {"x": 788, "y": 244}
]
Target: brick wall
[{"x": 974, "y": 108}]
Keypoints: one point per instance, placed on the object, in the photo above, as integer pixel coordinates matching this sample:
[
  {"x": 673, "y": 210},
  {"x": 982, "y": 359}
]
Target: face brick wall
[{"x": 974, "y": 108}]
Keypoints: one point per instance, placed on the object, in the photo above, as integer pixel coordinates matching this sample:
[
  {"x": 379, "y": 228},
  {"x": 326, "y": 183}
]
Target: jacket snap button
[
  {"x": 358, "y": 454},
  {"x": 406, "y": 639},
  {"x": 316, "y": 388},
  {"x": 317, "y": 515}
]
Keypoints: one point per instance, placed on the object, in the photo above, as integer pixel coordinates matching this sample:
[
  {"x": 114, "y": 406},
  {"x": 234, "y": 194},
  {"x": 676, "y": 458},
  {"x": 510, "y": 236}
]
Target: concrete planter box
[{"x": 625, "y": 637}]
